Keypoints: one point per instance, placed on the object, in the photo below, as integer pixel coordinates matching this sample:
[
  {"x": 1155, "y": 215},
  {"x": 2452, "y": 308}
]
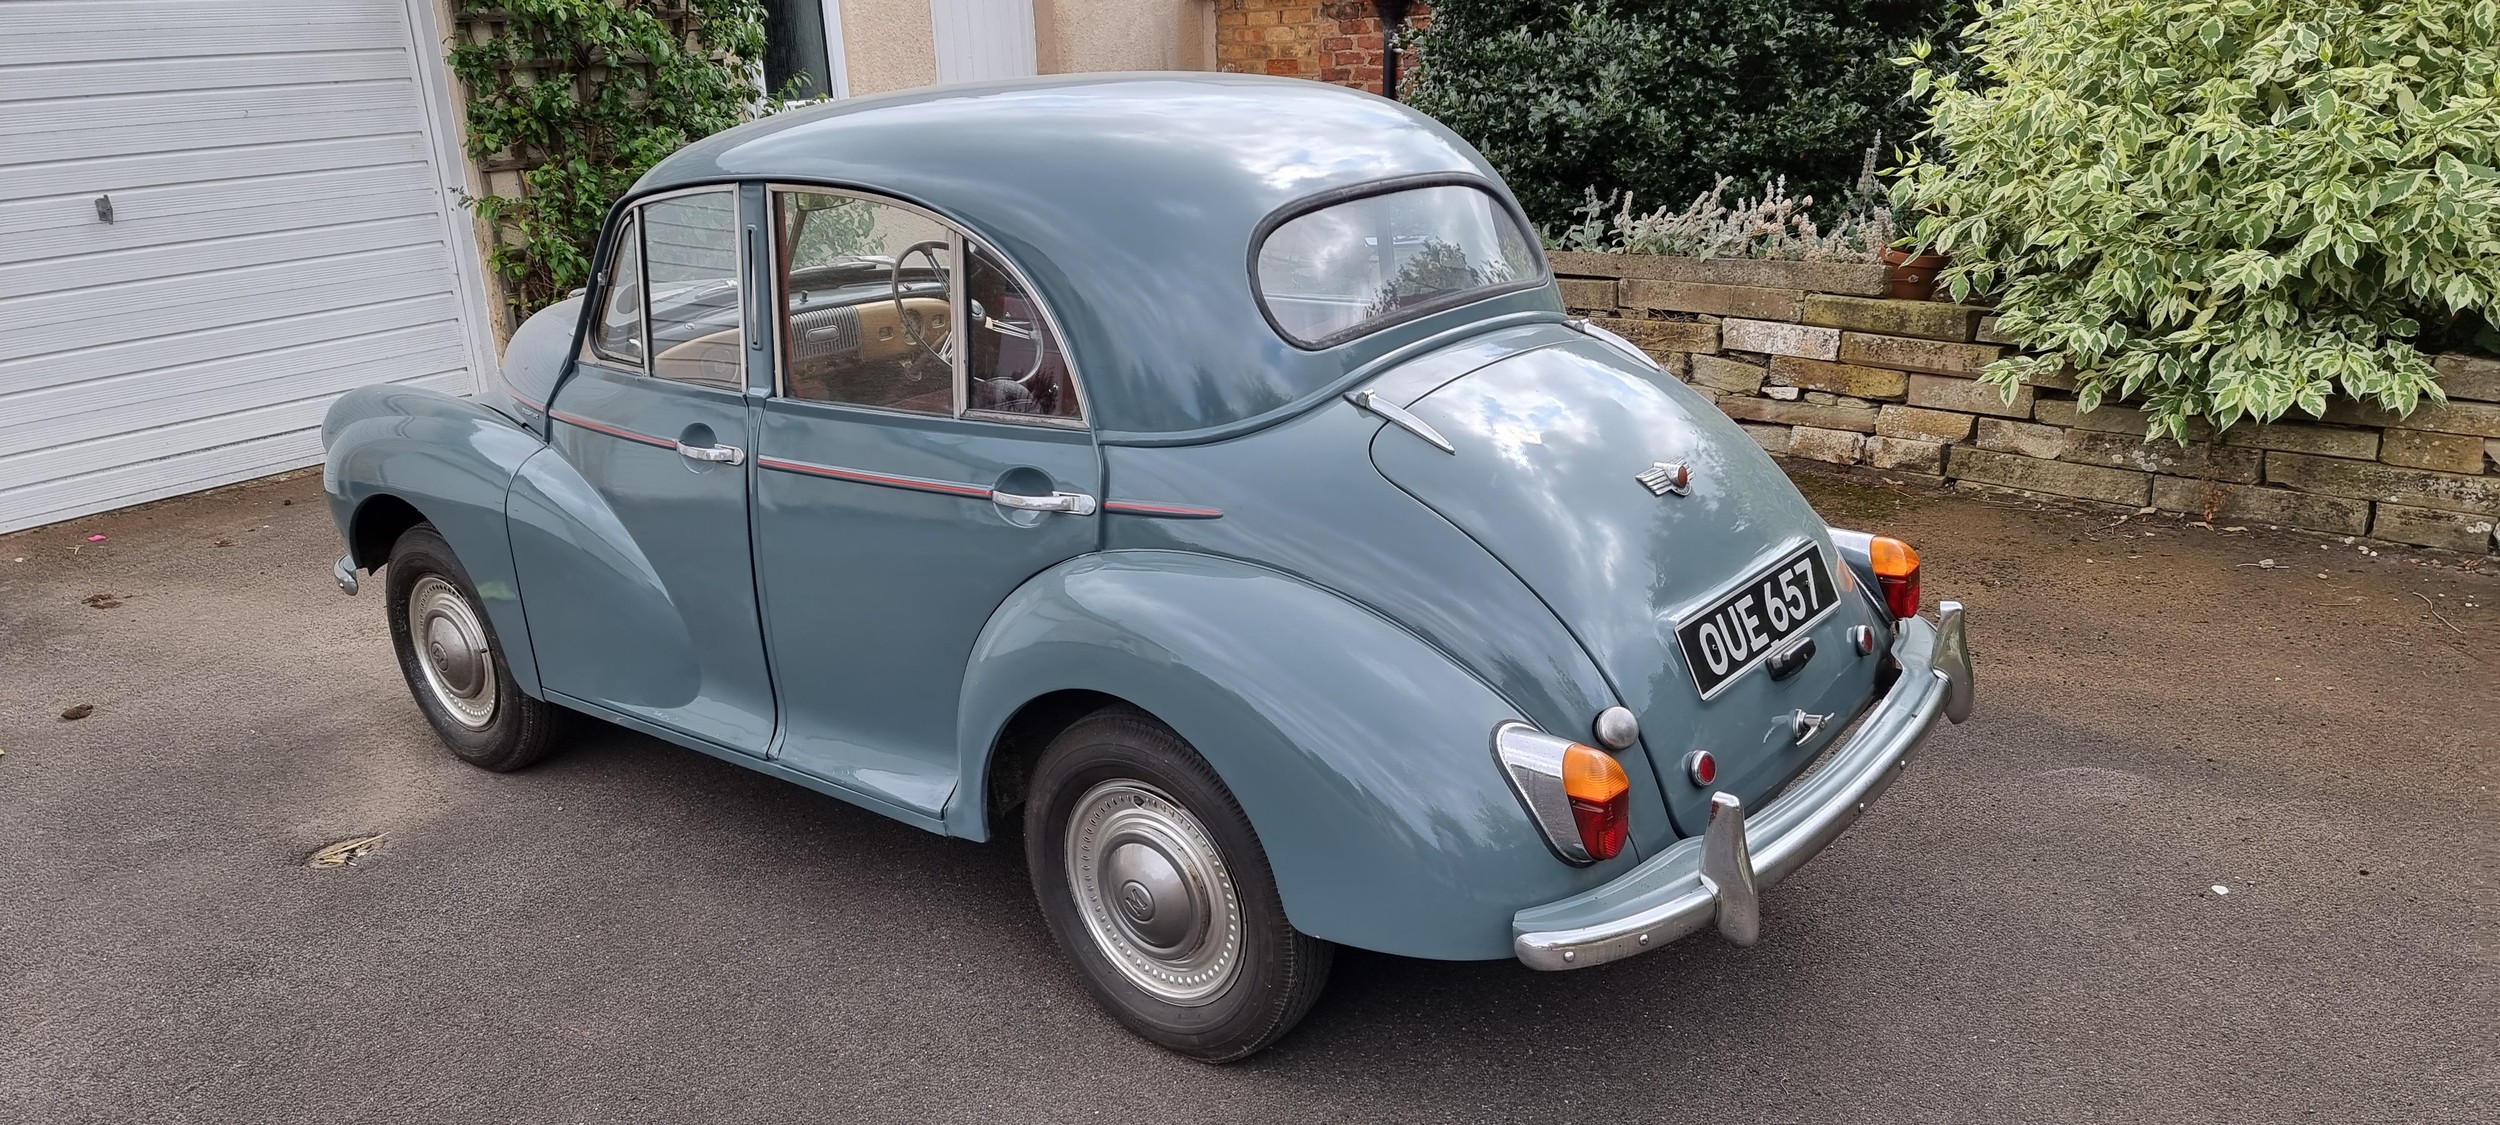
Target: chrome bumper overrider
[
  {"x": 1714, "y": 876},
  {"x": 344, "y": 573}
]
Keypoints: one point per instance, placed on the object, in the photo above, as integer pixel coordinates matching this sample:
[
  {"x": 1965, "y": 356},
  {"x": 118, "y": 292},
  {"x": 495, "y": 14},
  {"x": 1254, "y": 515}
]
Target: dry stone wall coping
[{"x": 1815, "y": 362}]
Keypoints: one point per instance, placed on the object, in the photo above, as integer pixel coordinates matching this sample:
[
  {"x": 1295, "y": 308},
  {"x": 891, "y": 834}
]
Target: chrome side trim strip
[{"x": 886, "y": 480}]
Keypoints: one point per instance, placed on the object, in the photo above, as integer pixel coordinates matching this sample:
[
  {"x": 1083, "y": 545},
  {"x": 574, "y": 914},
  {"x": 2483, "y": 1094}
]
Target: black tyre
[
  {"x": 454, "y": 665},
  {"x": 1155, "y": 885}
]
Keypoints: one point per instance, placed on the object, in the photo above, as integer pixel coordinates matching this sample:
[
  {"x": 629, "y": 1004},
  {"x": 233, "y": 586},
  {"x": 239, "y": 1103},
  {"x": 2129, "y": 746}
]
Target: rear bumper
[{"x": 1712, "y": 877}]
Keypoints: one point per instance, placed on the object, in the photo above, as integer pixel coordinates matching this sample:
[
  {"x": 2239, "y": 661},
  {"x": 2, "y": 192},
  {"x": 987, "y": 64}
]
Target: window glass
[
  {"x": 690, "y": 250},
  {"x": 619, "y": 337},
  {"x": 1014, "y": 364},
  {"x": 1350, "y": 267},
  {"x": 867, "y": 314}
]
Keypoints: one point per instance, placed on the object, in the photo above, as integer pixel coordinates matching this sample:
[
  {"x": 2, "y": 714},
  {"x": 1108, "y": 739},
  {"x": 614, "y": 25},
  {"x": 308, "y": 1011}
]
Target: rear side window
[{"x": 1352, "y": 267}]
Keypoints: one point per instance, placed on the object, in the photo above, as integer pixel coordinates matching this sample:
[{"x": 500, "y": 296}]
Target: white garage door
[{"x": 282, "y": 229}]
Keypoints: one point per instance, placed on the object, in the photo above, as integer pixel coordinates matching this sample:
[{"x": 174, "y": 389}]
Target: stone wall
[
  {"x": 1334, "y": 41},
  {"x": 1816, "y": 363}
]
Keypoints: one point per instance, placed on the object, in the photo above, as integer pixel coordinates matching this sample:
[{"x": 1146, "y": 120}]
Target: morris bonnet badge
[{"x": 1668, "y": 476}]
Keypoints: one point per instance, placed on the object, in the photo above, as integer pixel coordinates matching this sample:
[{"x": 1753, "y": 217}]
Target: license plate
[{"x": 1752, "y": 621}]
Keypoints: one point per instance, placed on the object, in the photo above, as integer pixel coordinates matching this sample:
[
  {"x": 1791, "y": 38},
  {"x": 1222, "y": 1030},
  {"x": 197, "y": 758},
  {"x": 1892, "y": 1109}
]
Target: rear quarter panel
[{"x": 1361, "y": 755}]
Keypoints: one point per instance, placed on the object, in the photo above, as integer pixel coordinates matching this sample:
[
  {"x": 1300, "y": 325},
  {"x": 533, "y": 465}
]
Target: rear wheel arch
[{"x": 1018, "y": 747}]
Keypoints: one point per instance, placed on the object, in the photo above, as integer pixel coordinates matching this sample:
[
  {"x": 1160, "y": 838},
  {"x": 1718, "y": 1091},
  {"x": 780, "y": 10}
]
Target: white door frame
[
  {"x": 451, "y": 171},
  {"x": 837, "y": 58}
]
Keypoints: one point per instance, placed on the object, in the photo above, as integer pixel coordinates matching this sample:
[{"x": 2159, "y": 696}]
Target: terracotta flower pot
[{"x": 1913, "y": 275}]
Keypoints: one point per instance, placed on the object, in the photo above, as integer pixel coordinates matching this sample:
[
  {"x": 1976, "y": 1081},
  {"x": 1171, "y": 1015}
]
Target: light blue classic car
[{"x": 1194, "y": 477}]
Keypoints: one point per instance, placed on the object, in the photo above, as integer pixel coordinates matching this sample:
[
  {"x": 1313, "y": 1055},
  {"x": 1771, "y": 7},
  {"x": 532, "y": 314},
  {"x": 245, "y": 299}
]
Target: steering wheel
[{"x": 933, "y": 249}]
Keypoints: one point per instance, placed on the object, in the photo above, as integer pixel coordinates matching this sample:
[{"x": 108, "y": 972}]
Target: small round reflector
[{"x": 1701, "y": 767}]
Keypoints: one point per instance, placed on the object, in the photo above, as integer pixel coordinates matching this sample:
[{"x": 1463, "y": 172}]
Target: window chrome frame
[
  {"x": 959, "y": 244},
  {"x": 598, "y": 297}
]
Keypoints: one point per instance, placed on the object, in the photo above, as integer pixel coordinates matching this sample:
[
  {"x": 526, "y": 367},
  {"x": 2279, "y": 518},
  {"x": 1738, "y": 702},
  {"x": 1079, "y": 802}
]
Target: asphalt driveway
[{"x": 2032, "y": 927}]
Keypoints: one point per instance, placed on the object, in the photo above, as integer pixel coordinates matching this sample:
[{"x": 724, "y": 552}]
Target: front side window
[
  {"x": 690, "y": 255},
  {"x": 619, "y": 336},
  {"x": 1348, "y": 268},
  {"x": 870, "y": 316},
  {"x": 867, "y": 303}
]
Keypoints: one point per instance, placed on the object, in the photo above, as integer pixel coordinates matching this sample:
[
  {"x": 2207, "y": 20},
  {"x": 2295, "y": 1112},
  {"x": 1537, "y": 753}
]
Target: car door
[
  {"x": 924, "y": 453},
  {"x": 636, "y": 565}
]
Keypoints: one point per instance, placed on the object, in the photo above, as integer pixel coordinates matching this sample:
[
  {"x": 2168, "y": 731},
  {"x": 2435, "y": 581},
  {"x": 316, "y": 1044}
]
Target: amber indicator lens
[
  {"x": 1601, "y": 800},
  {"x": 1896, "y": 570}
]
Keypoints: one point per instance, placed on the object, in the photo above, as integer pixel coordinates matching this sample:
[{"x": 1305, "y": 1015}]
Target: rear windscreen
[{"x": 1348, "y": 268}]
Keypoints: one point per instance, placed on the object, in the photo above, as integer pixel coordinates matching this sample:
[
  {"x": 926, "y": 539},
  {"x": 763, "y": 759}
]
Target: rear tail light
[
  {"x": 1896, "y": 572},
  {"x": 1578, "y": 795},
  {"x": 1601, "y": 800}
]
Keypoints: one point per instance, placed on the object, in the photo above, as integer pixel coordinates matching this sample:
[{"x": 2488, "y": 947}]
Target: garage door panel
[
  {"x": 91, "y": 79},
  {"x": 233, "y": 298},
  {"x": 135, "y": 208},
  {"x": 283, "y": 231},
  {"x": 155, "y": 169},
  {"x": 65, "y": 241},
  {"x": 37, "y": 467},
  {"x": 146, "y": 263},
  {"x": 172, "y": 136},
  {"x": 103, "y": 360},
  {"x": 80, "y": 412},
  {"x": 36, "y": 504}
]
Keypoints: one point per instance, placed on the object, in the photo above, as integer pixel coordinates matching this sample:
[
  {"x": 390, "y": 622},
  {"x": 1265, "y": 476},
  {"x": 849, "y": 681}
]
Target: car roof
[{"x": 1131, "y": 201}]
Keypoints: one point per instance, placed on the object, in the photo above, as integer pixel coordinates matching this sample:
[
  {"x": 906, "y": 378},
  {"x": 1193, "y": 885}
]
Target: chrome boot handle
[
  {"x": 1072, "y": 503},
  {"x": 720, "y": 454}
]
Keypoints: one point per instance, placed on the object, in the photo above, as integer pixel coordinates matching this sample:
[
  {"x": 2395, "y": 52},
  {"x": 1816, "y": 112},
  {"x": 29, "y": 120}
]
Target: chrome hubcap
[
  {"x": 452, "y": 654},
  {"x": 1154, "y": 892}
]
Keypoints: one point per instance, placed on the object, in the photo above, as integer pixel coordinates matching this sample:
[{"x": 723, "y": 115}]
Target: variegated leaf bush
[{"x": 2223, "y": 208}]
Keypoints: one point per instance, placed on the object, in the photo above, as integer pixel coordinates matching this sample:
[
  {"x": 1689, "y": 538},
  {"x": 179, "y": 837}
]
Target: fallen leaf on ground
[
  {"x": 79, "y": 712},
  {"x": 100, "y": 601},
  {"x": 342, "y": 853}
]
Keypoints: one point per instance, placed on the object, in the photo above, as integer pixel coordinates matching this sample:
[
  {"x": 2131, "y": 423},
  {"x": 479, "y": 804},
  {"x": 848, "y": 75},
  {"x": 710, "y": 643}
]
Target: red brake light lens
[
  {"x": 1601, "y": 800},
  {"x": 1896, "y": 572}
]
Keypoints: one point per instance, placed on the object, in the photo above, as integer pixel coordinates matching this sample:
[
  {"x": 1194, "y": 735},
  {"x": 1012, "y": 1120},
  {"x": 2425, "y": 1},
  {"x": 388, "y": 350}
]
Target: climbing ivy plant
[{"x": 581, "y": 97}]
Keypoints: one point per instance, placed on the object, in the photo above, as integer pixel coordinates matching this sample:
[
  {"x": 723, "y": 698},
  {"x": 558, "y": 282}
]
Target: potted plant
[{"x": 1914, "y": 269}]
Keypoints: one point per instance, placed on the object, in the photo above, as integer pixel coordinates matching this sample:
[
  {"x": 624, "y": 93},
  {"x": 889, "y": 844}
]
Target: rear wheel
[
  {"x": 1153, "y": 881},
  {"x": 453, "y": 664}
]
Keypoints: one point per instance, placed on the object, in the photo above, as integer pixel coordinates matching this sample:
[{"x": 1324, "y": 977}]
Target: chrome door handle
[
  {"x": 721, "y": 454},
  {"x": 1073, "y": 503}
]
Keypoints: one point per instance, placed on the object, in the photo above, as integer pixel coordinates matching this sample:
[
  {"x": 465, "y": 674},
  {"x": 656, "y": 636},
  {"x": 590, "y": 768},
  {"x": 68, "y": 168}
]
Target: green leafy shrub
[
  {"x": 582, "y": 97},
  {"x": 2230, "y": 208},
  {"x": 1657, "y": 97}
]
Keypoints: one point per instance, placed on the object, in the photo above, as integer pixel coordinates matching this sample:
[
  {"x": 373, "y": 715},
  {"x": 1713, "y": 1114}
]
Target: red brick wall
[{"x": 1335, "y": 41}]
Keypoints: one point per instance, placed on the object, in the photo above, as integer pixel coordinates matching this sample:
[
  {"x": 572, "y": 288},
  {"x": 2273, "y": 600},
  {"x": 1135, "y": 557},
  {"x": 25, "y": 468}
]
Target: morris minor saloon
[{"x": 1195, "y": 478}]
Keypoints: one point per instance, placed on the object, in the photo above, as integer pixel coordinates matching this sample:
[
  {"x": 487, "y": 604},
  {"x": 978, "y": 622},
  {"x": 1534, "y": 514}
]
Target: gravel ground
[{"x": 2032, "y": 927}]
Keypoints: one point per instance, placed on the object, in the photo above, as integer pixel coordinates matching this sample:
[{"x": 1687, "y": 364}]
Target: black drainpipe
[{"x": 1392, "y": 18}]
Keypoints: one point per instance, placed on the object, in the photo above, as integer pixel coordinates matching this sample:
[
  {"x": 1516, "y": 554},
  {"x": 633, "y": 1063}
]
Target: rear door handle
[
  {"x": 1072, "y": 503},
  {"x": 721, "y": 454}
]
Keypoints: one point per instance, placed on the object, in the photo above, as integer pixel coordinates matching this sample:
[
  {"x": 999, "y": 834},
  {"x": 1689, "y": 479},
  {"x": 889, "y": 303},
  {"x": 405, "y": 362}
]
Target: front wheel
[
  {"x": 448, "y": 653},
  {"x": 1153, "y": 881}
]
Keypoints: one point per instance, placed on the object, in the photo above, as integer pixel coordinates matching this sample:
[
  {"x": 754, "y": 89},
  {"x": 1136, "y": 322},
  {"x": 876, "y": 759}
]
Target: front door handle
[
  {"x": 1073, "y": 503},
  {"x": 719, "y": 454}
]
